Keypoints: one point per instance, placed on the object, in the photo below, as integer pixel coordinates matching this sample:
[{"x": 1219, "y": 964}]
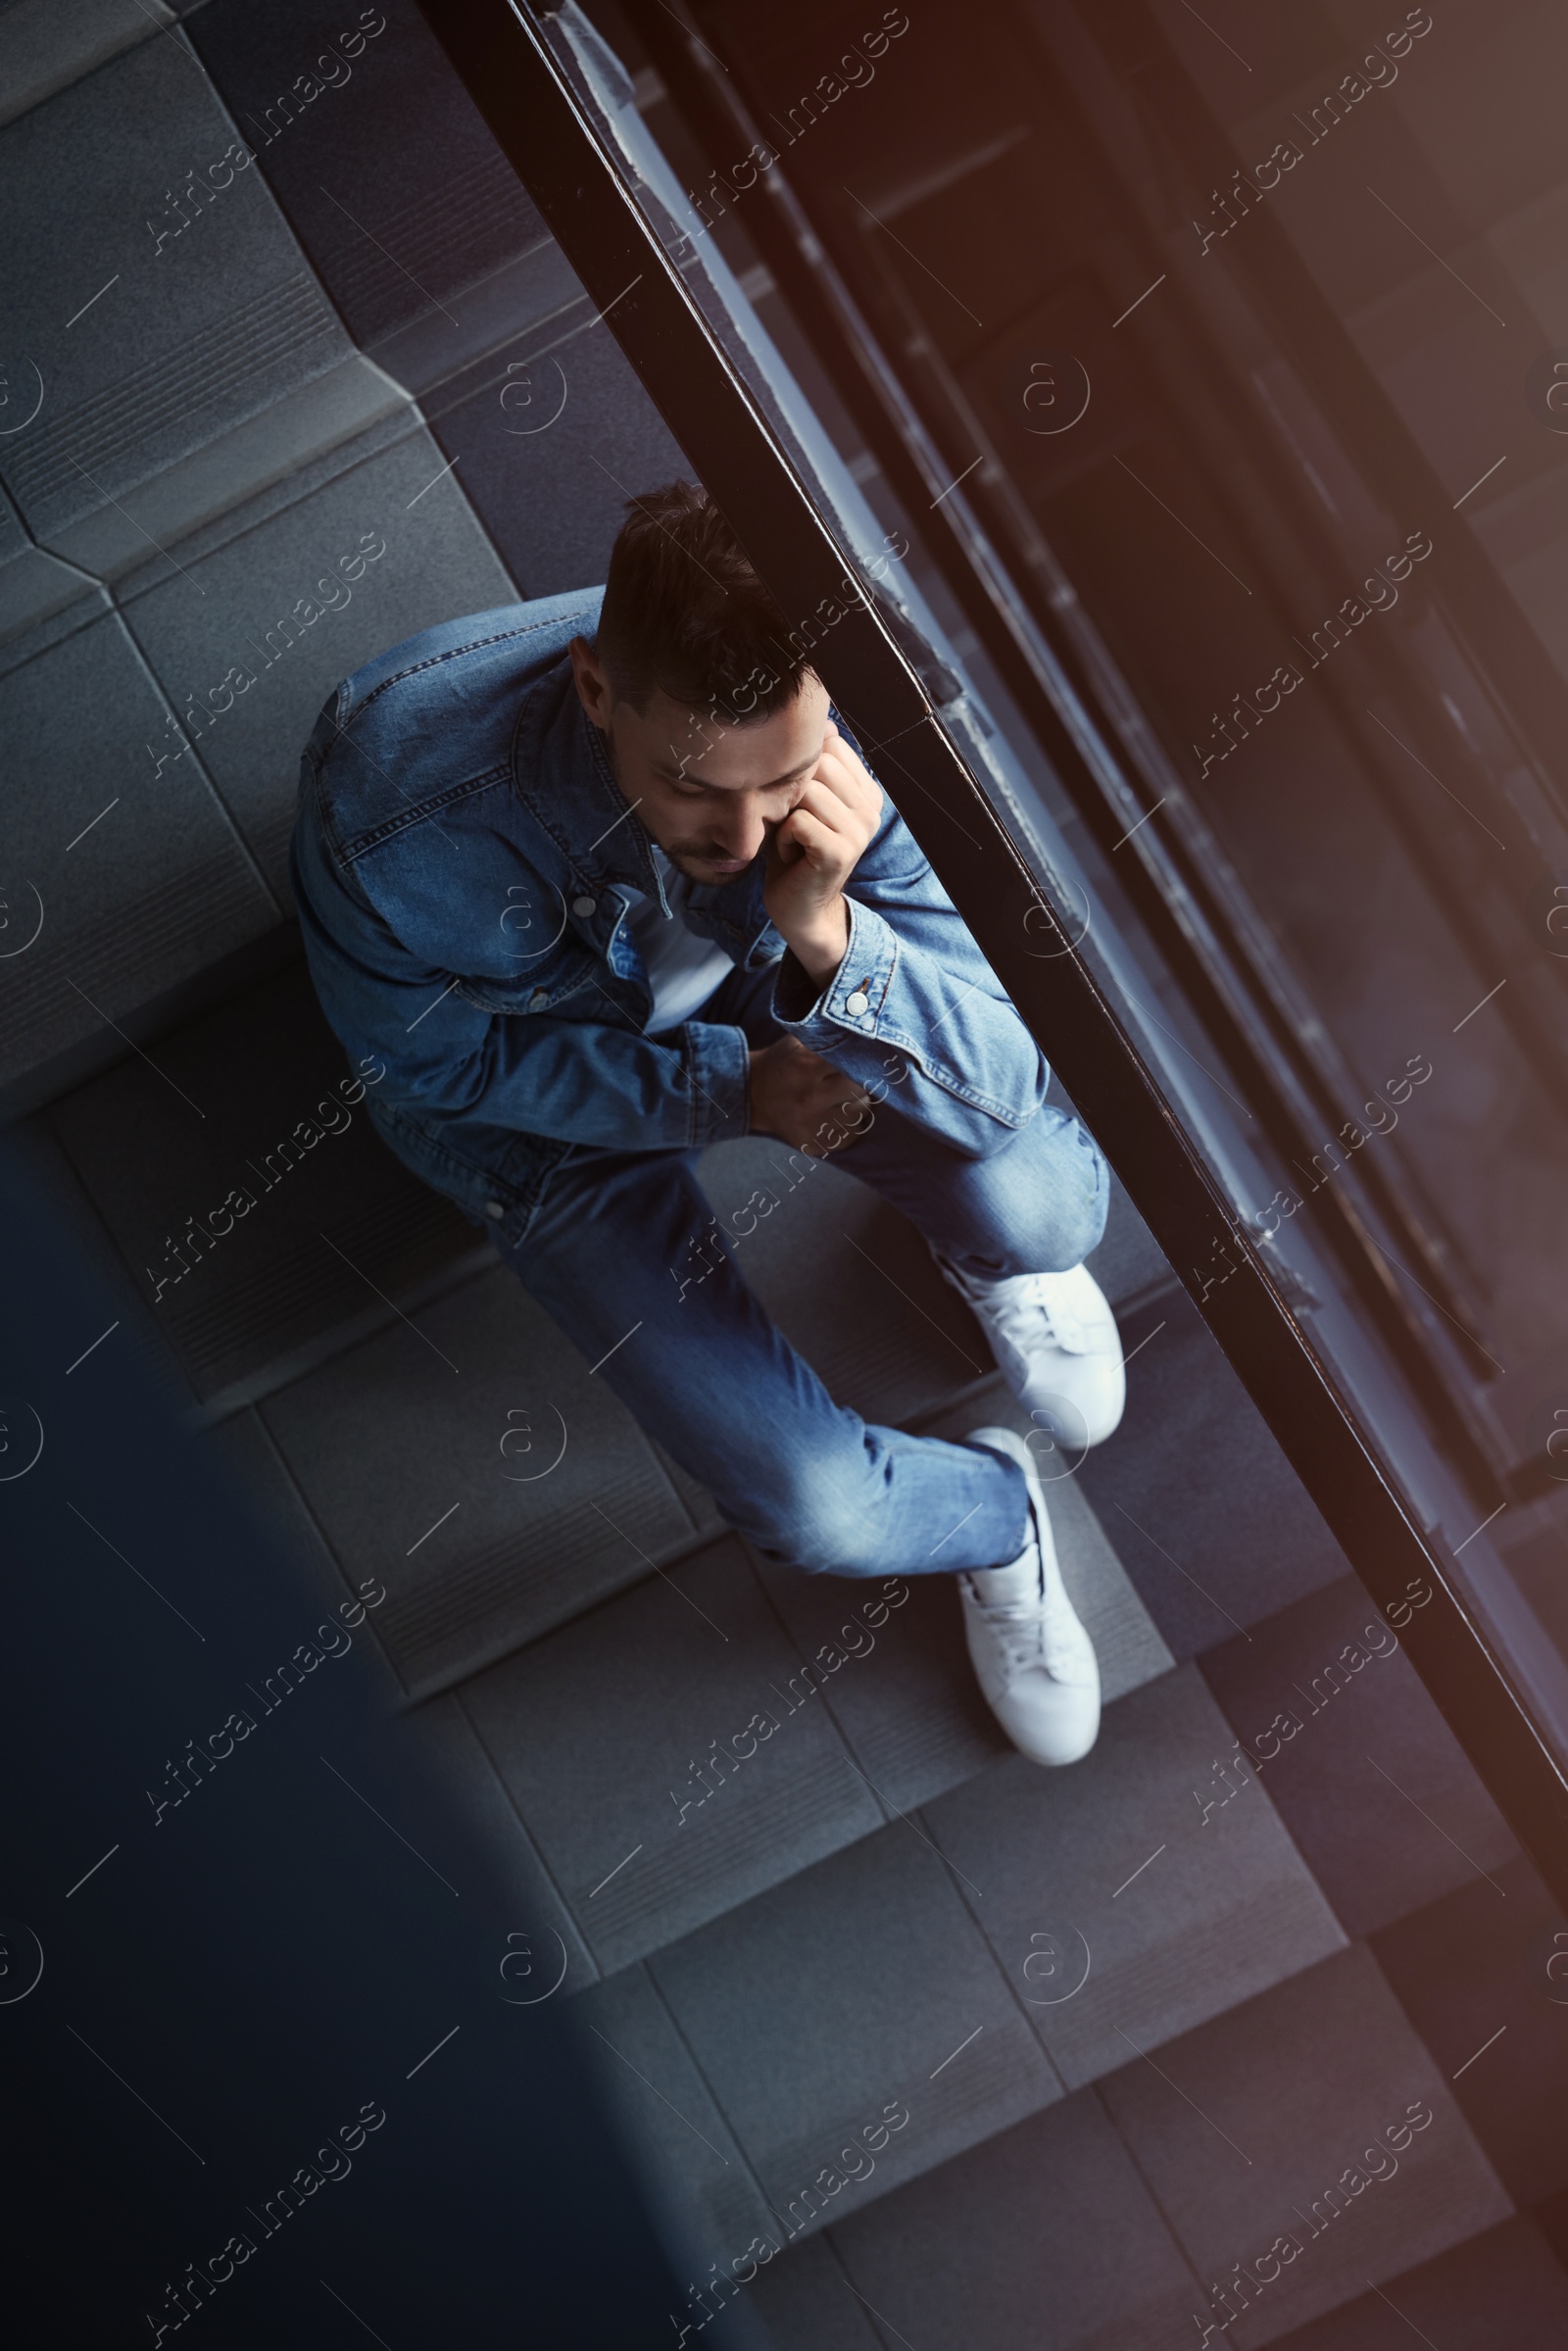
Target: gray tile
[
  {"x": 1504, "y": 2287},
  {"x": 535, "y": 1952},
  {"x": 553, "y": 500},
  {"x": 1253, "y": 2120},
  {"x": 906, "y": 1698},
  {"x": 34, "y": 585},
  {"x": 1120, "y": 1913},
  {"x": 397, "y": 1446},
  {"x": 190, "y": 492},
  {"x": 34, "y": 636},
  {"x": 1472, "y": 1975},
  {"x": 699, "y": 1502},
  {"x": 520, "y": 310},
  {"x": 287, "y": 608},
  {"x": 155, "y": 890},
  {"x": 1043, "y": 2239},
  {"x": 263, "y": 1291},
  {"x": 888, "y": 1336},
  {"x": 857, "y": 1994},
  {"x": 686, "y": 2154},
  {"x": 806, "y": 2303},
  {"x": 190, "y": 375},
  {"x": 47, "y": 44},
  {"x": 604, "y": 1735},
  {"x": 916, "y": 1721},
  {"x": 389, "y": 178},
  {"x": 1372, "y": 1784},
  {"x": 136, "y": 1332},
  {"x": 1207, "y": 1517},
  {"x": 252, "y": 1460},
  {"x": 256, "y": 503}
]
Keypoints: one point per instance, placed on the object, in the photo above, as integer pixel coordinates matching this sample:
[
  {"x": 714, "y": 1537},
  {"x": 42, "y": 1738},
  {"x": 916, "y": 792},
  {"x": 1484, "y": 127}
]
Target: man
[{"x": 602, "y": 880}]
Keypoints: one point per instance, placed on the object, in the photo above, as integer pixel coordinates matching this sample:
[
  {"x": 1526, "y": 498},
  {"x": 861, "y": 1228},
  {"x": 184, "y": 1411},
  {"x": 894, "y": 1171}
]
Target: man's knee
[
  {"x": 1047, "y": 1202},
  {"x": 825, "y": 1522},
  {"x": 1076, "y": 1223}
]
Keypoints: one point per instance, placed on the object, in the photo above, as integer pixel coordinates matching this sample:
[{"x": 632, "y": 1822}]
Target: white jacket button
[
  {"x": 538, "y": 1000},
  {"x": 858, "y": 1002},
  {"x": 494, "y": 1209},
  {"x": 583, "y": 906}
]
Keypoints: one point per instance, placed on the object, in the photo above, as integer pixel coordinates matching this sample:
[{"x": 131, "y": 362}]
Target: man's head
[{"x": 711, "y": 721}]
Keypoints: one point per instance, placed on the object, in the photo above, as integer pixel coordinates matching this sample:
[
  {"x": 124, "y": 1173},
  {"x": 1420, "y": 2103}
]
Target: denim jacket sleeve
[
  {"x": 916, "y": 1004},
  {"x": 451, "y": 1055}
]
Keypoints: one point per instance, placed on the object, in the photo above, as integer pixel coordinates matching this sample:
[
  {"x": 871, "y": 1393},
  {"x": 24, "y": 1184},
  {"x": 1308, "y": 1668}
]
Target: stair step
[
  {"x": 1379, "y": 1796},
  {"x": 1506, "y": 2285},
  {"x": 1018, "y": 1920},
  {"x": 1292, "y": 2053},
  {"x": 1207, "y": 1516},
  {"x": 254, "y": 1099},
  {"x": 537, "y": 1951},
  {"x": 263, "y": 587},
  {"x": 855, "y": 2007},
  {"x": 866, "y": 1685},
  {"x": 415, "y": 1452},
  {"x": 1150, "y": 1917},
  {"x": 634, "y": 2040},
  {"x": 44, "y": 49},
  {"x": 545, "y": 497},
  {"x": 391, "y": 158},
  {"x": 1047, "y": 2229},
  {"x": 600, "y": 1731},
  {"x": 1478, "y": 1970},
  {"x": 120, "y": 904},
  {"x": 1101, "y": 2221},
  {"x": 924, "y": 1727},
  {"x": 219, "y": 326}
]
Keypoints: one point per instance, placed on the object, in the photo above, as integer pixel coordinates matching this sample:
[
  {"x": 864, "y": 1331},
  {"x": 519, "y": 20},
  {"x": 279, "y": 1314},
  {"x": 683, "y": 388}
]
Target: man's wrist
[{"x": 821, "y": 950}]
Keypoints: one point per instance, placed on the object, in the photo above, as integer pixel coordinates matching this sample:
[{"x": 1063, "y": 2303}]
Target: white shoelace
[
  {"x": 1027, "y": 1321},
  {"x": 1029, "y": 1635}
]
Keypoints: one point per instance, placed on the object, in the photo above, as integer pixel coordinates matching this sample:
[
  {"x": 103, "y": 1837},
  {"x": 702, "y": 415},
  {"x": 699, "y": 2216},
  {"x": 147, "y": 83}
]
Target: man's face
[{"x": 710, "y": 794}]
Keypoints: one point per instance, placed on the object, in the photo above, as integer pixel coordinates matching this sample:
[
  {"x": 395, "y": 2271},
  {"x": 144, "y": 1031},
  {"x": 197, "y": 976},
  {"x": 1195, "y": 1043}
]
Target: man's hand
[
  {"x": 813, "y": 853},
  {"x": 804, "y": 1100}
]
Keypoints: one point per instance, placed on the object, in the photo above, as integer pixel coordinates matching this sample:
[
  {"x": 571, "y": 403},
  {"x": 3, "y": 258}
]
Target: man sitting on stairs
[{"x": 602, "y": 880}]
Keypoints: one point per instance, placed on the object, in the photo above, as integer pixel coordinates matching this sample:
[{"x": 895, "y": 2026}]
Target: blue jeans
[{"x": 707, "y": 1374}]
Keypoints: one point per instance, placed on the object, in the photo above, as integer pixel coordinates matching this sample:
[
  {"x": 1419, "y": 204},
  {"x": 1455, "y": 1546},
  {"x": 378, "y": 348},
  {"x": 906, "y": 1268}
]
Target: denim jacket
[{"x": 459, "y": 860}]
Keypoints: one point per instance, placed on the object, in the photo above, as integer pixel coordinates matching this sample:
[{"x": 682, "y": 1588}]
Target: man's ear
[{"x": 591, "y": 681}]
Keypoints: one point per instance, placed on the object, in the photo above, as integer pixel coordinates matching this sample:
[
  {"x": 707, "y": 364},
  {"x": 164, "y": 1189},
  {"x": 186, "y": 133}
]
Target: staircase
[{"x": 927, "y": 2046}]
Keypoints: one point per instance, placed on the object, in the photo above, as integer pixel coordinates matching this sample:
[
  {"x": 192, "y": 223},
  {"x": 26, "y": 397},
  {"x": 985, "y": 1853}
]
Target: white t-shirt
[{"x": 683, "y": 969}]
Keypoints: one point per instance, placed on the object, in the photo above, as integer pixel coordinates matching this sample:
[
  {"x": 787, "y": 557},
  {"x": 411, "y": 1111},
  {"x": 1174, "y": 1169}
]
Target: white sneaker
[
  {"x": 1054, "y": 1338},
  {"x": 1032, "y": 1657}
]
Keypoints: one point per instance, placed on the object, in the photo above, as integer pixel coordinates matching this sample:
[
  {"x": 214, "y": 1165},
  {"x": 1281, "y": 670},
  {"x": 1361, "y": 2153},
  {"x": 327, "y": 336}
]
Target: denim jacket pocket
[
  {"x": 566, "y": 970},
  {"x": 496, "y": 1181}
]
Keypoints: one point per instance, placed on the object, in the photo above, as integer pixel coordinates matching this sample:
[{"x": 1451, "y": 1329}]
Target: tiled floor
[{"x": 877, "y": 1958}]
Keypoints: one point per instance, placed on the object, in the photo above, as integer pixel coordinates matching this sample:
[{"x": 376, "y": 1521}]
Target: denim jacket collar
[{"x": 563, "y": 776}]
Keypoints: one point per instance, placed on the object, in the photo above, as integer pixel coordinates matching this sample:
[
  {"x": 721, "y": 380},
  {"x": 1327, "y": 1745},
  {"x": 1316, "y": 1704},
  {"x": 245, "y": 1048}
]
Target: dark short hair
[{"x": 685, "y": 613}]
